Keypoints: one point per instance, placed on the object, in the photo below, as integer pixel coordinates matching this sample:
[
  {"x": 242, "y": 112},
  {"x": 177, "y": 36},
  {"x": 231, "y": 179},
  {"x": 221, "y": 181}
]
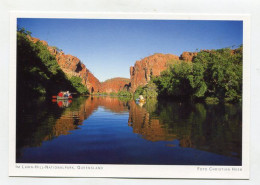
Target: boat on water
[
  {"x": 63, "y": 96},
  {"x": 140, "y": 99}
]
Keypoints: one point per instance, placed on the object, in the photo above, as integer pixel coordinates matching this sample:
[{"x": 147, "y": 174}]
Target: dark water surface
[{"x": 106, "y": 130}]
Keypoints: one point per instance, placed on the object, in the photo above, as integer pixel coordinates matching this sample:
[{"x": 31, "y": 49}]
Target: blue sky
[{"x": 109, "y": 47}]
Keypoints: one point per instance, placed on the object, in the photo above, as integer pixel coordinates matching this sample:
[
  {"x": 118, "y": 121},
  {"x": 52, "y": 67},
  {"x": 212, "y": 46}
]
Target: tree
[
  {"x": 148, "y": 91},
  {"x": 77, "y": 83},
  {"x": 223, "y": 73},
  {"x": 216, "y": 74},
  {"x": 24, "y": 31}
]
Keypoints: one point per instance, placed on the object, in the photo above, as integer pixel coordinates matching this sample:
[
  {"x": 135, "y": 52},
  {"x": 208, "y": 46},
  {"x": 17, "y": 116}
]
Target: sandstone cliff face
[
  {"x": 72, "y": 66},
  {"x": 141, "y": 72},
  {"x": 188, "y": 56},
  {"x": 115, "y": 85}
]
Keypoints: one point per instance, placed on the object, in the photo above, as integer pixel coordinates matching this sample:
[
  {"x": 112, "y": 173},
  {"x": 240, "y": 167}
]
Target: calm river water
[{"x": 107, "y": 130}]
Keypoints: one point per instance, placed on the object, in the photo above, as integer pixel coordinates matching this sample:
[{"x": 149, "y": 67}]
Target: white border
[{"x": 129, "y": 171}]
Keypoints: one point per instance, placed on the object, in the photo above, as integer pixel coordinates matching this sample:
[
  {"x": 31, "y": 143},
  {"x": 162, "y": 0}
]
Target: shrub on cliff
[
  {"x": 76, "y": 82},
  {"x": 37, "y": 70}
]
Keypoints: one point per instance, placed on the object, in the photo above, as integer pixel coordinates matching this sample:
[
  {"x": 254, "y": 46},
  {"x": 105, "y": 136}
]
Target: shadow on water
[{"x": 212, "y": 128}]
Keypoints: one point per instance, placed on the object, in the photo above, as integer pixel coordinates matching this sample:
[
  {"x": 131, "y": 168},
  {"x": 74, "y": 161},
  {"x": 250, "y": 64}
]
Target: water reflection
[
  {"x": 213, "y": 128},
  {"x": 147, "y": 125},
  {"x": 62, "y": 103}
]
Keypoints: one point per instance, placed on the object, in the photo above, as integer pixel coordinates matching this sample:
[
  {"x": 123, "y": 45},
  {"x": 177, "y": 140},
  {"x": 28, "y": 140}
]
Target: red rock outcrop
[
  {"x": 115, "y": 85},
  {"x": 141, "y": 72},
  {"x": 72, "y": 66},
  {"x": 33, "y": 39},
  {"x": 188, "y": 56}
]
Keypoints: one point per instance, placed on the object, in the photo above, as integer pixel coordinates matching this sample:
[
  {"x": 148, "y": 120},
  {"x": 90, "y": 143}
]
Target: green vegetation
[
  {"x": 125, "y": 94},
  {"x": 182, "y": 80},
  {"x": 76, "y": 82},
  {"x": 38, "y": 72},
  {"x": 148, "y": 91},
  {"x": 58, "y": 49},
  {"x": 101, "y": 93},
  {"x": 113, "y": 94},
  {"x": 23, "y": 31},
  {"x": 38, "y": 126},
  {"x": 189, "y": 121},
  {"x": 215, "y": 75},
  {"x": 212, "y": 100}
]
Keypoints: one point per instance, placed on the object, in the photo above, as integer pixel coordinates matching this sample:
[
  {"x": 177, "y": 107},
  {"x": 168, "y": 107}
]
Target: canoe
[
  {"x": 140, "y": 100},
  {"x": 61, "y": 98}
]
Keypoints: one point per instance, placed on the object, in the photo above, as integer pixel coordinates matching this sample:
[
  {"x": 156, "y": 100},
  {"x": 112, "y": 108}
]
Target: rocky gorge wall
[
  {"x": 72, "y": 66},
  {"x": 115, "y": 85},
  {"x": 143, "y": 70},
  {"x": 140, "y": 73}
]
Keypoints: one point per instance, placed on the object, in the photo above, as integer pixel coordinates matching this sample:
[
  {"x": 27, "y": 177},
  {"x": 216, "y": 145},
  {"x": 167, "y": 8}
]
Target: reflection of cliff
[
  {"x": 150, "y": 128},
  {"x": 81, "y": 108},
  {"x": 74, "y": 116},
  {"x": 213, "y": 128},
  {"x": 165, "y": 126},
  {"x": 69, "y": 120},
  {"x": 110, "y": 103}
]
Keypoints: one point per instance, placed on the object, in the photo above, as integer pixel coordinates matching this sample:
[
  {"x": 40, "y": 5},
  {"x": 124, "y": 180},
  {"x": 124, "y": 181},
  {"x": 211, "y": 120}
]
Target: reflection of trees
[
  {"x": 214, "y": 128},
  {"x": 145, "y": 124},
  {"x": 40, "y": 120}
]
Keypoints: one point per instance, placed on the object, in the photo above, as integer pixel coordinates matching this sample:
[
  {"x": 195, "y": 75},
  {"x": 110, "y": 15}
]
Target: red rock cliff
[
  {"x": 115, "y": 85},
  {"x": 72, "y": 66},
  {"x": 141, "y": 72},
  {"x": 188, "y": 56}
]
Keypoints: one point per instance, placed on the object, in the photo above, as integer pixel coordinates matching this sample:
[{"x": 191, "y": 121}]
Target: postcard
[{"x": 129, "y": 95}]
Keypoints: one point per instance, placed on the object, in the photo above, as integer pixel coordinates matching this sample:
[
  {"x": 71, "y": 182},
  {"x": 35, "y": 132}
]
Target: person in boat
[
  {"x": 141, "y": 98},
  {"x": 67, "y": 94}
]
